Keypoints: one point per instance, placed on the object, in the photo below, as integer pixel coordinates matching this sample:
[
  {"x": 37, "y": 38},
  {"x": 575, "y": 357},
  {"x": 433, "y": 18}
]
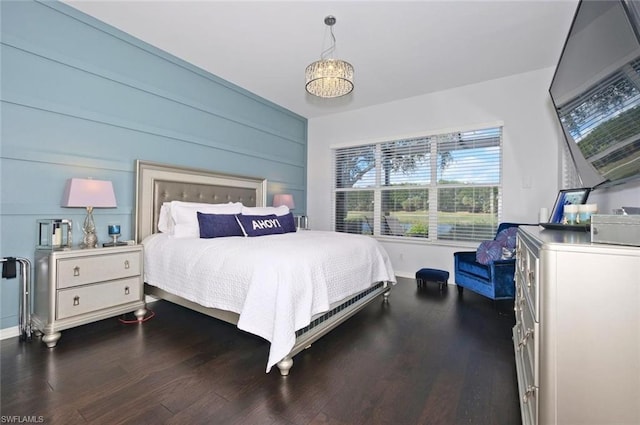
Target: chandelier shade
[{"x": 329, "y": 78}]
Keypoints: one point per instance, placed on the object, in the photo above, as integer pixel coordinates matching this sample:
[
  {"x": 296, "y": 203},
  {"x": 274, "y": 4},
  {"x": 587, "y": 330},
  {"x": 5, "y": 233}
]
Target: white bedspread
[{"x": 275, "y": 283}]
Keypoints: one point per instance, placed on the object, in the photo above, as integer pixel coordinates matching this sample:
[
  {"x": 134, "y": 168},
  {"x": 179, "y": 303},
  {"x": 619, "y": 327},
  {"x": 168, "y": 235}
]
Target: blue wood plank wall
[{"x": 82, "y": 99}]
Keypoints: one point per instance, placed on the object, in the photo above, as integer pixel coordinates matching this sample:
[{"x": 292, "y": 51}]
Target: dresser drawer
[
  {"x": 529, "y": 400},
  {"x": 527, "y": 275},
  {"x": 90, "y": 298},
  {"x": 97, "y": 268},
  {"x": 527, "y": 389},
  {"x": 530, "y": 337}
]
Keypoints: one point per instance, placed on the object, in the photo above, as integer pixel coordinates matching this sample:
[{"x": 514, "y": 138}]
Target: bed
[{"x": 290, "y": 288}]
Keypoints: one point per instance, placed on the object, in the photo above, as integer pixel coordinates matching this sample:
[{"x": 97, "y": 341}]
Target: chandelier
[{"x": 329, "y": 77}]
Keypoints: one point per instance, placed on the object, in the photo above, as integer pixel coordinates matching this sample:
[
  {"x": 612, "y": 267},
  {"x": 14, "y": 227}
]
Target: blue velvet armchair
[{"x": 493, "y": 280}]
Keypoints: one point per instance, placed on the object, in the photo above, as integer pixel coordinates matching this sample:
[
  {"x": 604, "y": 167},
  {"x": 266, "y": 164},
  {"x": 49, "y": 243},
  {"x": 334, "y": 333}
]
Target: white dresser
[
  {"x": 577, "y": 332},
  {"x": 78, "y": 286}
]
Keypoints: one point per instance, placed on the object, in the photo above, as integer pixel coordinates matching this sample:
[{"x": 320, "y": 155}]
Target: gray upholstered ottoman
[{"x": 432, "y": 275}]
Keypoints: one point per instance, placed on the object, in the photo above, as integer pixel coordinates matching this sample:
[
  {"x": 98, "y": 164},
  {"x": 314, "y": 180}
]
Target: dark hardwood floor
[{"x": 424, "y": 358}]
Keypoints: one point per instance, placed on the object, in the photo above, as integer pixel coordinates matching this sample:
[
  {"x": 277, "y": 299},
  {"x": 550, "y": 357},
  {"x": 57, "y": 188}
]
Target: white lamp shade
[
  {"x": 89, "y": 193},
  {"x": 284, "y": 199}
]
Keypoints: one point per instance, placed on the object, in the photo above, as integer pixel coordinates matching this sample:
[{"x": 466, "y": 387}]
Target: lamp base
[{"x": 90, "y": 239}]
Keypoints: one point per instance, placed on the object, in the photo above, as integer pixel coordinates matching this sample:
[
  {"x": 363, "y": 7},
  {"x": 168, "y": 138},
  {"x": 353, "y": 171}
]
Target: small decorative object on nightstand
[
  {"x": 302, "y": 222},
  {"x": 55, "y": 233},
  {"x": 114, "y": 233},
  {"x": 78, "y": 286}
]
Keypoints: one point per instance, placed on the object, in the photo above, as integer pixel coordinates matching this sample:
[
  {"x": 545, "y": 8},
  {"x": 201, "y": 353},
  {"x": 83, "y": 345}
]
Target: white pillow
[
  {"x": 185, "y": 216},
  {"x": 165, "y": 222},
  {"x": 279, "y": 211}
]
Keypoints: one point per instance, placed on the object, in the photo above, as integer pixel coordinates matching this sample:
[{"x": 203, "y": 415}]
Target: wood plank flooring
[{"x": 425, "y": 358}]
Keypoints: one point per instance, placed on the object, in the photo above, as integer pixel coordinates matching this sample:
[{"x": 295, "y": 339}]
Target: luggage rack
[{"x": 9, "y": 272}]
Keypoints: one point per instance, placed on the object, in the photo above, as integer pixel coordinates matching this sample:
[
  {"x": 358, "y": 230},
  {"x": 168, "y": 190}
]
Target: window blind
[{"x": 444, "y": 186}]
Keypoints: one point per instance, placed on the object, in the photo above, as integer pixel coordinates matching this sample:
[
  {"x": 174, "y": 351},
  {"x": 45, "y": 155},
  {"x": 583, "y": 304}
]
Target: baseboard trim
[
  {"x": 7, "y": 333},
  {"x": 405, "y": 275}
]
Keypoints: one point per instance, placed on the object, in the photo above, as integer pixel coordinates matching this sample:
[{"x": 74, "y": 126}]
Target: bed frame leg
[
  {"x": 284, "y": 365},
  {"x": 385, "y": 296}
]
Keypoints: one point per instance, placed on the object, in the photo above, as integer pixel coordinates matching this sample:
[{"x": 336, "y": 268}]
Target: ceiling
[{"x": 398, "y": 49}]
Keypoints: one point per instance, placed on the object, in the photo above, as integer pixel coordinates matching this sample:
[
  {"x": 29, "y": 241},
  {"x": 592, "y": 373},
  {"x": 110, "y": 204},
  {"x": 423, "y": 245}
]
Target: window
[{"x": 437, "y": 187}]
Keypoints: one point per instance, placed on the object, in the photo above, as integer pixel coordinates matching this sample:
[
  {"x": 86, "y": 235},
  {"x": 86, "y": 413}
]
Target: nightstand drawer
[
  {"x": 97, "y": 268},
  {"x": 90, "y": 298}
]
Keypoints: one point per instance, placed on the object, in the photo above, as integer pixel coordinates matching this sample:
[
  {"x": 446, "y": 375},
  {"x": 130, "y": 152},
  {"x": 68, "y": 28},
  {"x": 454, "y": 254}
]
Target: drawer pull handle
[
  {"x": 126, "y": 264},
  {"x": 76, "y": 300},
  {"x": 76, "y": 271},
  {"x": 530, "y": 392},
  {"x": 126, "y": 290},
  {"x": 525, "y": 338}
]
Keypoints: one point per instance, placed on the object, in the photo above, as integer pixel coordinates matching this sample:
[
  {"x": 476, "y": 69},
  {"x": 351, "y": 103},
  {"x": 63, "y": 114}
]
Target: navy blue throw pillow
[
  {"x": 260, "y": 225},
  {"x": 288, "y": 223},
  {"x": 218, "y": 225}
]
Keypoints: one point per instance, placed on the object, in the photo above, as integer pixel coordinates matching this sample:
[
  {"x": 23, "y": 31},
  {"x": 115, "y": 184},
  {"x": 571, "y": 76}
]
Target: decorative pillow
[
  {"x": 489, "y": 251},
  {"x": 279, "y": 211},
  {"x": 507, "y": 237},
  {"x": 218, "y": 225},
  {"x": 186, "y": 220},
  {"x": 165, "y": 222},
  {"x": 260, "y": 225},
  {"x": 288, "y": 223}
]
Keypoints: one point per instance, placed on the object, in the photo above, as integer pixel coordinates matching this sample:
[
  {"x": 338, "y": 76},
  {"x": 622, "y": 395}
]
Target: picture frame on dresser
[{"x": 568, "y": 197}]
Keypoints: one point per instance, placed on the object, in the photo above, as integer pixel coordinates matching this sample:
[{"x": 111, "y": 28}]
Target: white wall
[
  {"x": 611, "y": 198},
  {"x": 530, "y": 150}
]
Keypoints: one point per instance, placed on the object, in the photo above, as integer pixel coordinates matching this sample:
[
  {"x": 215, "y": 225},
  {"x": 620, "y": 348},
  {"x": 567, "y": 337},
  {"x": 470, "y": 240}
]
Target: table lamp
[
  {"x": 284, "y": 199},
  {"x": 89, "y": 194}
]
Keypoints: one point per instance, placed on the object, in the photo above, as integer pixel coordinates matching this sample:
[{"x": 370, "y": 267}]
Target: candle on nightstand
[
  {"x": 57, "y": 234},
  {"x": 114, "y": 229}
]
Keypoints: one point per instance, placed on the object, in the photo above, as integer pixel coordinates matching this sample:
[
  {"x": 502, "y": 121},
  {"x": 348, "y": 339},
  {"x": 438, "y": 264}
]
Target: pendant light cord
[
  {"x": 331, "y": 48},
  {"x": 330, "y": 22}
]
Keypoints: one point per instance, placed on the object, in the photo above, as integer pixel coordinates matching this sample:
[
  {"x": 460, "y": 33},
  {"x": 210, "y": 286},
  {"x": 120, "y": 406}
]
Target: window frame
[{"x": 433, "y": 186}]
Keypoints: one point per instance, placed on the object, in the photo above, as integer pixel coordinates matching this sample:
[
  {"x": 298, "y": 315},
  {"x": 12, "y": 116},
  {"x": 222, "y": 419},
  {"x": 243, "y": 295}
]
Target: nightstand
[{"x": 77, "y": 286}]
